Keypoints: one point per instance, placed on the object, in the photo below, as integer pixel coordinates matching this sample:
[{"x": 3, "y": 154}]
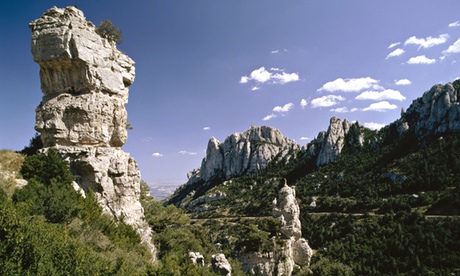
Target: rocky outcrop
[
  {"x": 436, "y": 112},
  {"x": 242, "y": 153},
  {"x": 85, "y": 82},
  {"x": 294, "y": 250},
  {"x": 196, "y": 258},
  {"x": 221, "y": 264},
  {"x": 328, "y": 145}
]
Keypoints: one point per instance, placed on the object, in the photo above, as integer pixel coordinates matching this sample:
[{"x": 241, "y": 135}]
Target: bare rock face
[
  {"x": 328, "y": 145},
  {"x": 436, "y": 112},
  {"x": 221, "y": 264},
  {"x": 294, "y": 251},
  {"x": 287, "y": 210},
  {"x": 242, "y": 153},
  {"x": 85, "y": 82}
]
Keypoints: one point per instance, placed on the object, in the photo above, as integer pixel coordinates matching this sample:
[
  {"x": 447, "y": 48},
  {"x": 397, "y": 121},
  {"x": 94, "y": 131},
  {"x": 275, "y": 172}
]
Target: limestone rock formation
[
  {"x": 242, "y": 153},
  {"x": 328, "y": 145},
  {"x": 436, "y": 112},
  {"x": 196, "y": 258},
  {"x": 287, "y": 210},
  {"x": 295, "y": 250},
  {"x": 221, "y": 264},
  {"x": 85, "y": 82}
]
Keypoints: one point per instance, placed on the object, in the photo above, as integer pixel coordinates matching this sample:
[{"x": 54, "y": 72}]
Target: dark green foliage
[
  {"x": 49, "y": 192},
  {"x": 34, "y": 145},
  {"x": 49, "y": 229},
  {"x": 402, "y": 243},
  {"x": 107, "y": 30}
]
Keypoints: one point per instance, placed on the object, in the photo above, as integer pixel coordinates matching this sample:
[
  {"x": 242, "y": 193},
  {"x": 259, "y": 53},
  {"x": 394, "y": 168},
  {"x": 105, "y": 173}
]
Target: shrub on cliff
[{"x": 109, "y": 31}]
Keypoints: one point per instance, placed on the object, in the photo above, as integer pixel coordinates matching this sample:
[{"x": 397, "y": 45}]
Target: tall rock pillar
[{"x": 85, "y": 82}]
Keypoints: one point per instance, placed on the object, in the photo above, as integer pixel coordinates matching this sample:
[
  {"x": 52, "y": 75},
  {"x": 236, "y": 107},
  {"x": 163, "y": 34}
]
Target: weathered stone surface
[
  {"x": 287, "y": 210},
  {"x": 196, "y": 258},
  {"x": 436, "y": 112},
  {"x": 242, "y": 153},
  {"x": 328, "y": 145},
  {"x": 293, "y": 251},
  {"x": 221, "y": 264},
  {"x": 85, "y": 81}
]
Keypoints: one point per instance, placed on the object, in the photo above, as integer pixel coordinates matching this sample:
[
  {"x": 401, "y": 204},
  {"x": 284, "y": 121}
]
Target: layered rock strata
[{"x": 85, "y": 82}]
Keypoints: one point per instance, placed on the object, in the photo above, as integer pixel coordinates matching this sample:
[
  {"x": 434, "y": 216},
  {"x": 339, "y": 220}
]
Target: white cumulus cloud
[
  {"x": 303, "y": 103},
  {"x": 326, "y": 101},
  {"x": 273, "y": 76},
  {"x": 454, "y": 48},
  {"x": 373, "y": 125},
  {"x": 421, "y": 60},
  {"x": 304, "y": 138},
  {"x": 403, "y": 82},
  {"x": 350, "y": 85},
  {"x": 388, "y": 94},
  {"x": 427, "y": 42},
  {"x": 284, "y": 108},
  {"x": 157, "y": 154},
  {"x": 207, "y": 128},
  {"x": 395, "y": 53},
  {"x": 380, "y": 106},
  {"x": 279, "y": 110}
]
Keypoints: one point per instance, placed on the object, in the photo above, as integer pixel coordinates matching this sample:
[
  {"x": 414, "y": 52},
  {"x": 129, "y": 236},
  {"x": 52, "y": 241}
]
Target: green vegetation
[
  {"x": 373, "y": 206},
  {"x": 46, "y": 228},
  {"x": 107, "y": 30}
]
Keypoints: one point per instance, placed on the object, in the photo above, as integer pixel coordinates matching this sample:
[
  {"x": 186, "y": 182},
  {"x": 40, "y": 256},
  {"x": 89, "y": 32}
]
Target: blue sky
[{"x": 211, "y": 68}]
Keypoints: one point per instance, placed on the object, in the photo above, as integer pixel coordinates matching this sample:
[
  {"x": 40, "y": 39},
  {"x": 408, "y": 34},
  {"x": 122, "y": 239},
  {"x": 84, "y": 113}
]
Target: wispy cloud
[
  {"x": 326, "y": 101},
  {"x": 350, "y": 85},
  {"x": 395, "y": 53},
  {"x": 184, "y": 152},
  {"x": 343, "y": 109},
  {"x": 303, "y": 103},
  {"x": 403, "y": 82},
  {"x": 373, "y": 125},
  {"x": 303, "y": 138},
  {"x": 454, "y": 24},
  {"x": 427, "y": 42},
  {"x": 380, "y": 106},
  {"x": 269, "y": 117},
  {"x": 279, "y": 110},
  {"x": 157, "y": 154},
  {"x": 421, "y": 60},
  {"x": 392, "y": 45},
  {"x": 388, "y": 94},
  {"x": 272, "y": 76},
  {"x": 207, "y": 128}
]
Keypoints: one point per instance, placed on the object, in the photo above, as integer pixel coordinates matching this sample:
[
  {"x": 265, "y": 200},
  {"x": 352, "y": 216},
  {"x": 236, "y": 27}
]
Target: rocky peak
[
  {"x": 242, "y": 153},
  {"x": 85, "y": 82},
  {"x": 436, "y": 112},
  {"x": 328, "y": 145}
]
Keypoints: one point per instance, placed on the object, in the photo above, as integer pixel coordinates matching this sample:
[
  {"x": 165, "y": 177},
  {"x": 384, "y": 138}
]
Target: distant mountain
[{"x": 436, "y": 113}]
